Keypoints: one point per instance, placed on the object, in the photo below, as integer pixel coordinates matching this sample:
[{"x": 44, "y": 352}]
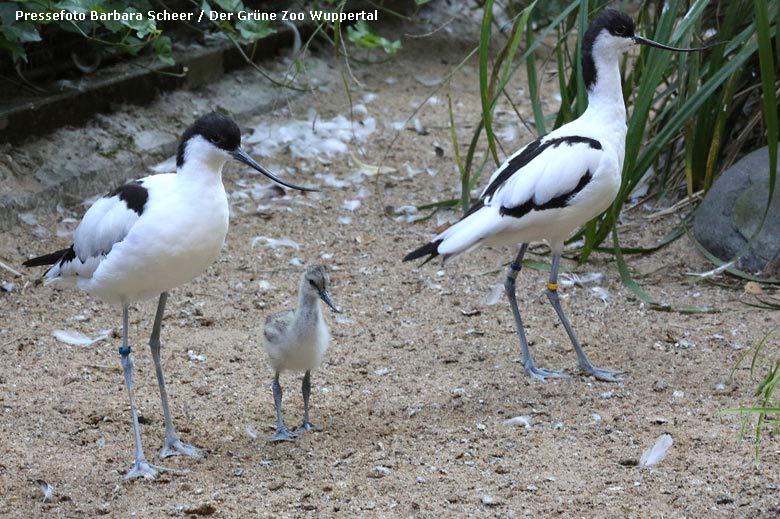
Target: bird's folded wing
[
  {"x": 109, "y": 220},
  {"x": 545, "y": 174},
  {"x": 277, "y": 324}
]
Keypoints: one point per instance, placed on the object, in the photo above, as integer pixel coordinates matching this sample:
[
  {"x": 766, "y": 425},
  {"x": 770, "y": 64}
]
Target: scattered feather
[
  {"x": 313, "y": 138},
  {"x": 381, "y": 471},
  {"x": 525, "y": 421},
  {"x": 194, "y": 357},
  {"x": 396, "y": 125},
  {"x": 412, "y": 172},
  {"x": 332, "y": 180},
  {"x": 495, "y": 294},
  {"x": 489, "y": 500},
  {"x": 418, "y": 127},
  {"x": 76, "y": 338},
  {"x": 601, "y": 293},
  {"x": 351, "y": 205},
  {"x": 427, "y": 80},
  {"x": 657, "y": 452},
  {"x": 47, "y": 489},
  {"x": 407, "y": 214},
  {"x": 571, "y": 279},
  {"x": 275, "y": 243}
]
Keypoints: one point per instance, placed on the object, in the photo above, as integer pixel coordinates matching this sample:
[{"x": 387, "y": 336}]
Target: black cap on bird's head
[
  {"x": 615, "y": 22},
  {"x": 218, "y": 133}
]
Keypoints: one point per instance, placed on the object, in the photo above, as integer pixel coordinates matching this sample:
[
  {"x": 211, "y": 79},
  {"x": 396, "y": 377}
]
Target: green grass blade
[
  {"x": 582, "y": 94},
  {"x": 533, "y": 90},
  {"x": 464, "y": 180},
  {"x": 768, "y": 80},
  {"x": 484, "y": 57}
]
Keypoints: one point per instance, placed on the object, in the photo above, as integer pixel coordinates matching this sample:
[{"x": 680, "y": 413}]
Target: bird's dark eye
[
  {"x": 620, "y": 30},
  {"x": 312, "y": 283}
]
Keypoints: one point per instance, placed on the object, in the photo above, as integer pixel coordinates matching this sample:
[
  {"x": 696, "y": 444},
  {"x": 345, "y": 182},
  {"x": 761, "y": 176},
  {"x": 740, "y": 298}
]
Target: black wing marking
[
  {"x": 554, "y": 203},
  {"x": 530, "y": 152},
  {"x": 134, "y": 195}
]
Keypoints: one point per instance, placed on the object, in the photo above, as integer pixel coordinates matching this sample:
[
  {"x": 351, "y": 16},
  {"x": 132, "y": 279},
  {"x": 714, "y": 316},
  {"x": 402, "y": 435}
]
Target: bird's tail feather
[
  {"x": 47, "y": 259},
  {"x": 429, "y": 249},
  {"x": 463, "y": 236}
]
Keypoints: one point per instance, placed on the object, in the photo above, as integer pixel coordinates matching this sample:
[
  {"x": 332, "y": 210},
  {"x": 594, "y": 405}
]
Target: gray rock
[{"x": 732, "y": 211}]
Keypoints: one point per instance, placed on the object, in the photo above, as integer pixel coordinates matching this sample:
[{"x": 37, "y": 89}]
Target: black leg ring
[{"x": 125, "y": 350}]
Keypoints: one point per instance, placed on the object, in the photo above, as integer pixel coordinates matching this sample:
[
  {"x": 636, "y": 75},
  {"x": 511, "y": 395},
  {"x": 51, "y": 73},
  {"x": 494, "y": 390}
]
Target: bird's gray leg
[
  {"x": 306, "y": 425},
  {"x": 282, "y": 434},
  {"x": 552, "y": 295},
  {"x": 173, "y": 446},
  {"x": 141, "y": 467},
  {"x": 510, "y": 288}
]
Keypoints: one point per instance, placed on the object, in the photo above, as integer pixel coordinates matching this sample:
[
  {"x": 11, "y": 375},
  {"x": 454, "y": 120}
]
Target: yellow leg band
[{"x": 552, "y": 286}]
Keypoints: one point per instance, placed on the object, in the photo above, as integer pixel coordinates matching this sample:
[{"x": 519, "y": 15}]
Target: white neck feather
[
  {"x": 202, "y": 161},
  {"x": 605, "y": 97}
]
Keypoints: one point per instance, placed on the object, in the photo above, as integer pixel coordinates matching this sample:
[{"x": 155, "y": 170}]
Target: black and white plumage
[
  {"x": 558, "y": 182},
  {"x": 148, "y": 236}
]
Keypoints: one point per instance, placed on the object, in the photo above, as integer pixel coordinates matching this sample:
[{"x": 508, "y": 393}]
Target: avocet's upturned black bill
[
  {"x": 241, "y": 156},
  {"x": 558, "y": 182},
  {"x": 144, "y": 238},
  {"x": 651, "y": 43}
]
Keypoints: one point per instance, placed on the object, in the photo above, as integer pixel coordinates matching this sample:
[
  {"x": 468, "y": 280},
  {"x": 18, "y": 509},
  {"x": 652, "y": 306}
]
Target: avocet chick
[{"x": 297, "y": 340}]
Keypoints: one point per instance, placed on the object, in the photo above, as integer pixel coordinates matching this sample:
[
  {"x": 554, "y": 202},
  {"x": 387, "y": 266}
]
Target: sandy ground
[{"x": 421, "y": 375}]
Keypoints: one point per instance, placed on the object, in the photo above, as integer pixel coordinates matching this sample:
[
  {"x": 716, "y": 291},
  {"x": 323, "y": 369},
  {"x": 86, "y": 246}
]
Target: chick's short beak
[{"x": 325, "y": 296}]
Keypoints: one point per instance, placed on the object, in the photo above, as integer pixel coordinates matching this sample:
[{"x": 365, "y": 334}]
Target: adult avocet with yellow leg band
[{"x": 558, "y": 182}]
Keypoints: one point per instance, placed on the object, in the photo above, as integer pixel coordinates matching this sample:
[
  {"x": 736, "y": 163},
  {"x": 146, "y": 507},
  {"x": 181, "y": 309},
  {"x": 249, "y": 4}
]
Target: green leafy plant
[
  {"x": 361, "y": 34},
  {"x": 128, "y": 35},
  {"x": 248, "y": 30},
  {"x": 766, "y": 410}
]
